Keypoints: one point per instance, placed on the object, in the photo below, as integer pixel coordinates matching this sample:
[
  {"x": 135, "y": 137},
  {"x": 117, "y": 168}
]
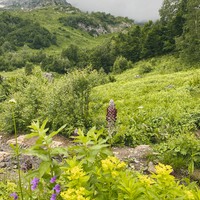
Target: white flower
[
  {"x": 140, "y": 107},
  {"x": 12, "y": 101}
]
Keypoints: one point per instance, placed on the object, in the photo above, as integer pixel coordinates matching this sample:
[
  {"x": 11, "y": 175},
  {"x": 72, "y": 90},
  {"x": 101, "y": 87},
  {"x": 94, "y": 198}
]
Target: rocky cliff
[{"x": 31, "y": 4}]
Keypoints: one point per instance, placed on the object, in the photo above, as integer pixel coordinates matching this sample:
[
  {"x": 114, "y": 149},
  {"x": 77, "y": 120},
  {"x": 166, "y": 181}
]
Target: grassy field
[
  {"x": 155, "y": 105},
  {"x": 48, "y": 18}
]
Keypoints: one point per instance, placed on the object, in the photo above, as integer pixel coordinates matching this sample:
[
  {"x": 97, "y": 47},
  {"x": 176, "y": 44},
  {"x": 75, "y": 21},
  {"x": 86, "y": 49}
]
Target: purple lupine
[
  {"x": 14, "y": 195},
  {"x": 34, "y": 183},
  {"x": 53, "y": 179},
  {"x": 53, "y": 197},
  {"x": 111, "y": 117},
  {"x": 57, "y": 188}
]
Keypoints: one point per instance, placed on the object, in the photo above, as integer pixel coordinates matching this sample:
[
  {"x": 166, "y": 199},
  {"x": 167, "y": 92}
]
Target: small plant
[
  {"x": 90, "y": 172},
  {"x": 16, "y": 150},
  {"x": 181, "y": 151}
]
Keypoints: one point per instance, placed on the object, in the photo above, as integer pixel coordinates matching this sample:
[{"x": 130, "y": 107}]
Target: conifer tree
[{"x": 189, "y": 42}]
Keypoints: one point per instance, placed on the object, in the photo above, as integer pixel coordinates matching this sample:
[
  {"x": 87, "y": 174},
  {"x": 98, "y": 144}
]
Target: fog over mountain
[{"x": 139, "y": 10}]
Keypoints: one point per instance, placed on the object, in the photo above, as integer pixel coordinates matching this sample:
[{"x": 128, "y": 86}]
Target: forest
[{"x": 101, "y": 82}]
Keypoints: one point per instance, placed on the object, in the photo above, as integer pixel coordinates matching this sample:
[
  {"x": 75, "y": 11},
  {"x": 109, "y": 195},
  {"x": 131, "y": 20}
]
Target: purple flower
[
  {"x": 53, "y": 179},
  {"x": 53, "y": 197},
  {"x": 14, "y": 195},
  {"x": 34, "y": 183},
  {"x": 57, "y": 188}
]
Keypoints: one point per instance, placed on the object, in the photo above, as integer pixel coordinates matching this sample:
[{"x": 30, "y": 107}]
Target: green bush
[
  {"x": 91, "y": 172},
  {"x": 182, "y": 152}
]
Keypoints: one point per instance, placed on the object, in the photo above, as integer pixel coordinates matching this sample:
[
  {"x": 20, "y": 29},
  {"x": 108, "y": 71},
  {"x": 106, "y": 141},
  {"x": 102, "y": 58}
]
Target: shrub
[
  {"x": 120, "y": 64},
  {"x": 91, "y": 172}
]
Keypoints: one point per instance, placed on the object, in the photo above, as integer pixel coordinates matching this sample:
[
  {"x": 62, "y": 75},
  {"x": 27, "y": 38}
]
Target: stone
[
  {"x": 142, "y": 151},
  {"x": 3, "y": 155},
  {"x": 56, "y": 144},
  {"x": 2, "y": 164},
  {"x": 151, "y": 167},
  {"x": 137, "y": 158},
  {"x": 196, "y": 175},
  {"x": 20, "y": 140}
]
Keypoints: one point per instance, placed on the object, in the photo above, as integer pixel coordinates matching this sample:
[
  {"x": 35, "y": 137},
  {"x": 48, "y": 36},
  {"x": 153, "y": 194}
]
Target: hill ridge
[{"x": 31, "y": 4}]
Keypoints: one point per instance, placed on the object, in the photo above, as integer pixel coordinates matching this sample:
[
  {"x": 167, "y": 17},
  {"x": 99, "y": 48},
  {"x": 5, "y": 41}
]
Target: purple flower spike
[
  {"x": 34, "y": 183},
  {"x": 53, "y": 179},
  {"x": 53, "y": 197},
  {"x": 57, "y": 188},
  {"x": 14, "y": 195}
]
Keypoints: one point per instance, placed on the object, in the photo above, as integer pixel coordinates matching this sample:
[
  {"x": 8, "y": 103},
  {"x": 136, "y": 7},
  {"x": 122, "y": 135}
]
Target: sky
[{"x": 139, "y": 10}]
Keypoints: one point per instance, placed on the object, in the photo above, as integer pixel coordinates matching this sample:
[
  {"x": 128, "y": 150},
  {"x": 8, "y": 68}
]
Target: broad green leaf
[{"x": 45, "y": 167}]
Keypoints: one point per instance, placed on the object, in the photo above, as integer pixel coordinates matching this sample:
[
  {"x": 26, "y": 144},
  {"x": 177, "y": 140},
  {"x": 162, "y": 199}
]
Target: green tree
[
  {"x": 101, "y": 57},
  {"x": 189, "y": 42},
  {"x": 120, "y": 64},
  {"x": 172, "y": 19},
  {"x": 153, "y": 42},
  {"x": 128, "y": 45},
  {"x": 28, "y": 68},
  {"x": 72, "y": 53}
]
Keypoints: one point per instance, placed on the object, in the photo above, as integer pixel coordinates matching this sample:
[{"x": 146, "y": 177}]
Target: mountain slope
[
  {"x": 31, "y": 4},
  {"x": 151, "y": 107}
]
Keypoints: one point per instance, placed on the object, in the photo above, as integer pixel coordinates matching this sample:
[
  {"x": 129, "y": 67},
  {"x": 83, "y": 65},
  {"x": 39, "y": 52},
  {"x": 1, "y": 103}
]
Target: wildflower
[
  {"x": 146, "y": 180},
  {"x": 12, "y": 101},
  {"x": 53, "y": 179},
  {"x": 57, "y": 188},
  {"x": 111, "y": 116},
  {"x": 111, "y": 163},
  {"x": 14, "y": 195},
  {"x": 76, "y": 173},
  {"x": 75, "y": 194},
  {"x": 53, "y": 197},
  {"x": 114, "y": 173},
  {"x": 34, "y": 183},
  {"x": 189, "y": 194},
  {"x": 27, "y": 165},
  {"x": 163, "y": 169}
]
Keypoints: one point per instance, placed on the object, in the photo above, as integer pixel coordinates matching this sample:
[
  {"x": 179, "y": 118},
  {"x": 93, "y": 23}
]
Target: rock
[
  {"x": 3, "y": 155},
  {"x": 2, "y": 164},
  {"x": 137, "y": 157},
  {"x": 196, "y": 175},
  {"x": 20, "y": 140},
  {"x": 142, "y": 151},
  {"x": 151, "y": 167},
  {"x": 56, "y": 144},
  {"x": 49, "y": 76},
  {"x": 138, "y": 76},
  {"x": 31, "y": 4}
]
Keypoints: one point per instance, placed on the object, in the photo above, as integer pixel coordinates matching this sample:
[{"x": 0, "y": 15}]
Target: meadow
[{"x": 56, "y": 78}]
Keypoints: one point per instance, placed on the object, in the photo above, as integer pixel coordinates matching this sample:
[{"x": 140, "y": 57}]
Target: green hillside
[
  {"x": 108, "y": 85},
  {"x": 154, "y": 106},
  {"x": 48, "y": 18}
]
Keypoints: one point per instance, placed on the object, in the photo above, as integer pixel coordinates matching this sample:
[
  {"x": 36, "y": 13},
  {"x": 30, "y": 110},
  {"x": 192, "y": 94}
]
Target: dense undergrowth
[
  {"x": 159, "y": 108},
  {"x": 88, "y": 172}
]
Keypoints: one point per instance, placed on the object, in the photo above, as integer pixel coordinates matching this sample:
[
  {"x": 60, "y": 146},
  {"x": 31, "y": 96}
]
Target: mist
[{"x": 139, "y": 10}]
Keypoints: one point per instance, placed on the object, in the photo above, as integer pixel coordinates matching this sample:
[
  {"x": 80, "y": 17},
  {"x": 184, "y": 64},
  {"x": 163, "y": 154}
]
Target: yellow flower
[
  {"x": 114, "y": 174},
  {"x": 145, "y": 179},
  {"x": 75, "y": 194},
  {"x": 121, "y": 165},
  {"x": 112, "y": 163},
  {"x": 163, "y": 169},
  {"x": 76, "y": 173},
  {"x": 189, "y": 194}
]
